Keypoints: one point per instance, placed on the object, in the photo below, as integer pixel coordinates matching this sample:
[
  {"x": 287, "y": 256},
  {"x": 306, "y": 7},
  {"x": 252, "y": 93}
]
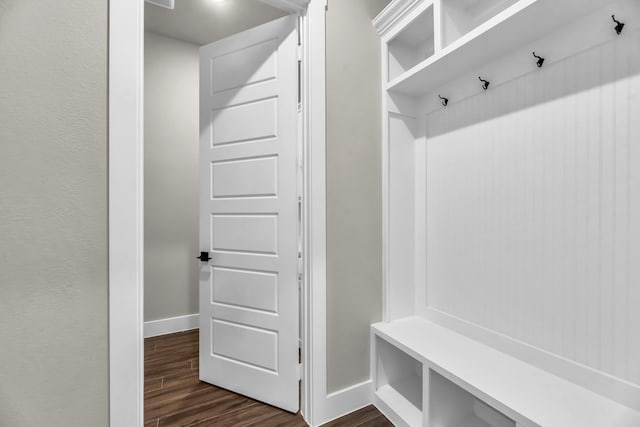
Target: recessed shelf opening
[
  {"x": 451, "y": 406},
  {"x": 399, "y": 382},
  {"x": 461, "y": 16},
  {"x": 412, "y": 45}
]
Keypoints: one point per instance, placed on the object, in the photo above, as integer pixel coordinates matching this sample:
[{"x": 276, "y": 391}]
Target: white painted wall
[
  {"x": 53, "y": 213},
  {"x": 533, "y": 209},
  {"x": 171, "y": 177},
  {"x": 353, "y": 188}
]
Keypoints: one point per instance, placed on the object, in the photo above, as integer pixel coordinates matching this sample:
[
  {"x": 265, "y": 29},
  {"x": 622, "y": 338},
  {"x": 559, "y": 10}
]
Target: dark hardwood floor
[{"x": 173, "y": 395}]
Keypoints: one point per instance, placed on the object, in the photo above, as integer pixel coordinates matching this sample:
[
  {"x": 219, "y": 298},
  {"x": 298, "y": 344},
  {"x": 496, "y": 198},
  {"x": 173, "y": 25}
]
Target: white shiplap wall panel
[
  {"x": 632, "y": 242},
  {"x": 533, "y": 208}
]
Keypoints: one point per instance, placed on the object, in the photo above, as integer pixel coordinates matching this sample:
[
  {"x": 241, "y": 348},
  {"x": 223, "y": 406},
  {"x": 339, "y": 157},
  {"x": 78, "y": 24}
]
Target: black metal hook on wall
[
  {"x": 445, "y": 101},
  {"x": 619, "y": 25},
  {"x": 540, "y": 60},
  {"x": 485, "y": 84}
]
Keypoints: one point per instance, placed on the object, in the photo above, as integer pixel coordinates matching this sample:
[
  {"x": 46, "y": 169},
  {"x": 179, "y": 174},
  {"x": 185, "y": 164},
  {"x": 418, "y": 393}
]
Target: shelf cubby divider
[
  {"x": 412, "y": 45},
  {"x": 399, "y": 381},
  {"x": 458, "y": 17}
]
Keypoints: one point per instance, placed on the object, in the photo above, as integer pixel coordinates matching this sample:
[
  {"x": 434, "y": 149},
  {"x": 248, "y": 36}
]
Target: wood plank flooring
[{"x": 173, "y": 395}]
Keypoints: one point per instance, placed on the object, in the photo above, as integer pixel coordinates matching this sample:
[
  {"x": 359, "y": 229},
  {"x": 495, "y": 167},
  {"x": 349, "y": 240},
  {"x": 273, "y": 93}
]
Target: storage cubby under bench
[{"x": 428, "y": 375}]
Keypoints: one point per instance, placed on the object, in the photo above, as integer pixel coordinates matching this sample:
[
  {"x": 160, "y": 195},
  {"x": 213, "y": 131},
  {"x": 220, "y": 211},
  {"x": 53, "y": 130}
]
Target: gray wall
[
  {"x": 53, "y": 213},
  {"x": 171, "y": 177},
  {"x": 354, "y": 256}
]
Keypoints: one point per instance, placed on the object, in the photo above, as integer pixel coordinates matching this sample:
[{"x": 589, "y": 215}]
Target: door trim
[
  {"x": 126, "y": 215},
  {"x": 313, "y": 333},
  {"x": 126, "y": 240}
]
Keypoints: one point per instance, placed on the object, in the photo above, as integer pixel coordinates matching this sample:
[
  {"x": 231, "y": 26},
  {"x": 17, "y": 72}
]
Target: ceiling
[{"x": 205, "y": 21}]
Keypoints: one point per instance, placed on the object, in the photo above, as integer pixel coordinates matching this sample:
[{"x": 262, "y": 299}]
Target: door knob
[{"x": 204, "y": 256}]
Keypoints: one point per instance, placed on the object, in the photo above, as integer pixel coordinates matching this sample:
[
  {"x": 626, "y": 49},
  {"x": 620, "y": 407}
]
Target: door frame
[{"x": 126, "y": 215}]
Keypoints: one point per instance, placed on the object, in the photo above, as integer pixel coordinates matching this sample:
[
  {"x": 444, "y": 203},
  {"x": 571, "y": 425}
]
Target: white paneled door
[{"x": 249, "y": 214}]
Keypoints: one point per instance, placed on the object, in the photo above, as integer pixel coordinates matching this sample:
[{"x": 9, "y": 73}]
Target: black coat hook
[
  {"x": 540, "y": 60},
  {"x": 619, "y": 25},
  {"x": 445, "y": 101},
  {"x": 485, "y": 84}
]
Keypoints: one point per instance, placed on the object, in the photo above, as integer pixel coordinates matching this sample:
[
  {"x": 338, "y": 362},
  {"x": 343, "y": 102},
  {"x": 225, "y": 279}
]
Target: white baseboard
[
  {"x": 347, "y": 400},
  {"x": 171, "y": 325}
]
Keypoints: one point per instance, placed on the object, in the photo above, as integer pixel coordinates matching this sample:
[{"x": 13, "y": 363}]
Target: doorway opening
[
  {"x": 126, "y": 219},
  {"x": 223, "y": 183}
]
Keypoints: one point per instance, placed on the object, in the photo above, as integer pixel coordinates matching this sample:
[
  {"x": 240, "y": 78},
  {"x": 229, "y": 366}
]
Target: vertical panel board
[
  {"x": 632, "y": 294},
  {"x": 607, "y": 191},
  {"x": 621, "y": 219},
  {"x": 401, "y": 215},
  {"x": 579, "y": 197},
  {"x": 592, "y": 210}
]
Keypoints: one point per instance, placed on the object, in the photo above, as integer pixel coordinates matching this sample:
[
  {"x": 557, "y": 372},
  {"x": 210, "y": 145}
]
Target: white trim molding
[
  {"x": 347, "y": 400},
  {"x": 314, "y": 378},
  {"x": 318, "y": 406},
  {"x": 126, "y": 243},
  {"x": 394, "y": 12},
  {"x": 171, "y": 325},
  {"x": 290, "y": 6}
]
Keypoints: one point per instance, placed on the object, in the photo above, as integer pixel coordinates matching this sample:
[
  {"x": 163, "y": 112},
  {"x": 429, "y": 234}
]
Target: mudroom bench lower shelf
[{"x": 427, "y": 375}]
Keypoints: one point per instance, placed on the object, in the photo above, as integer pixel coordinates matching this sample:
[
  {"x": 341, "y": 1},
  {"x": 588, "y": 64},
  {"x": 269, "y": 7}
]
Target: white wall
[
  {"x": 171, "y": 177},
  {"x": 533, "y": 209},
  {"x": 353, "y": 188},
  {"x": 53, "y": 213}
]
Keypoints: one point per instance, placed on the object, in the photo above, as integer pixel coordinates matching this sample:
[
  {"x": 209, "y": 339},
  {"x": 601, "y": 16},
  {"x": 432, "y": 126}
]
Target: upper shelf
[
  {"x": 412, "y": 45},
  {"x": 459, "y": 17},
  {"x": 465, "y": 40}
]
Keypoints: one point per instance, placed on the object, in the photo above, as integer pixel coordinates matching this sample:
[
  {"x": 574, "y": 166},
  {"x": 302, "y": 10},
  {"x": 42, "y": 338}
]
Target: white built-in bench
[
  {"x": 427, "y": 375},
  {"x": 489, "y": 197}
]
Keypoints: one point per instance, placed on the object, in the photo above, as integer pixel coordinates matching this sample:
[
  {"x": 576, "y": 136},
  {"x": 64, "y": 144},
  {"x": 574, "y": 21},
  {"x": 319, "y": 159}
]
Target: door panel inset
[
  {"x": 250, "y": 65},
  {"x": 256, "y": 290},
  {"x": 257, "y": 177},
  {"x": 247, "y": 122},
  {"x": 257, "y": 234},
  {"x": 245, "y": 344}
]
